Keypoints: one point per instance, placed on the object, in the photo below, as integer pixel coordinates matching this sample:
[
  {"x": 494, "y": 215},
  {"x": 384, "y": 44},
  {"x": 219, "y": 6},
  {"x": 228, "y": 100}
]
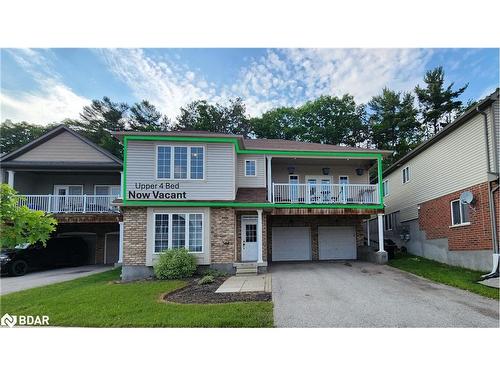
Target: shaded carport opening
[
  {"x": 313, "y": 237},
  {"x": 91, "y": 241}
]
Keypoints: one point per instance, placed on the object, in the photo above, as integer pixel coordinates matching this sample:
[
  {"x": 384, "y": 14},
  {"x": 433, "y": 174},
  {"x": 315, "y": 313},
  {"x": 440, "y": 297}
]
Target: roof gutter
[{"x": 491, "y": 178}]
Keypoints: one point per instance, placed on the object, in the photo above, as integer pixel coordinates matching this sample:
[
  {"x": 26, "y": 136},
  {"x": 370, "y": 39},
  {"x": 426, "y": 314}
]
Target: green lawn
[
  {"x": 462, "y": 278},
  {"x": 95, "y": 301}
]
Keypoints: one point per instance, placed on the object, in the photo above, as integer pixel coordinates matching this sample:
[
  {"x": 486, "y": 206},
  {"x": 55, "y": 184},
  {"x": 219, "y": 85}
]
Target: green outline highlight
[{"x": 234, "y": 141}]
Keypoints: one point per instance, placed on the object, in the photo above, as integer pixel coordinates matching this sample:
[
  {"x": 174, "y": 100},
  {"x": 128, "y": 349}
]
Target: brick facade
[
  {"x": 134, "y": 236},
  {"x": 222, "y": 235},
  {"x": 239, "y": 214},
  {"x": 435, "y": 220},
  {"x": 313, "y": 222}
]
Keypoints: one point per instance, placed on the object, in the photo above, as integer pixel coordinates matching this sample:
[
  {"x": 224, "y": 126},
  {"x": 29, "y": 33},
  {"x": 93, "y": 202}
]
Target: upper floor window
[
  {"x": 250, "y": 168},
  {"x": 459, "y": 213},
  {"x": 385, "y": 187},
  {"x": 107, "y": 190},
  {"x": 406, "y": 174},
  {"x": 180, "y": 162}
]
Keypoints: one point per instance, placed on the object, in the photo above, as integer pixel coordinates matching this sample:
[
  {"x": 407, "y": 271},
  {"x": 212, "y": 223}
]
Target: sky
[{"x": 44, "y": 86}]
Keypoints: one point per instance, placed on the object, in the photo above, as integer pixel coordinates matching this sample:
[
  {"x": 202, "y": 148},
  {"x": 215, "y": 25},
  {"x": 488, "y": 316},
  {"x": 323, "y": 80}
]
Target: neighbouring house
[
  {"x": 239, "y": 204},
  {"x": 77, "y": 181},
  {"x": 423, "y": 210}
]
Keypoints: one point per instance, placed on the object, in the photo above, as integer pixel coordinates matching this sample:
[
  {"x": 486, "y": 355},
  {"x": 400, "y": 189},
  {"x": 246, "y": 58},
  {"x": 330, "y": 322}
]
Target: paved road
[
  {"x": 369, "y": 295},
  {"x": 31, "y": 280}
]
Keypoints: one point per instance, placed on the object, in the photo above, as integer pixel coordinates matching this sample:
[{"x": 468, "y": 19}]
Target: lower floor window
[
  {"x": 388, "y": 221},
  {"x": 179, "y": 230},
  {"x": 459, "y": 213}
]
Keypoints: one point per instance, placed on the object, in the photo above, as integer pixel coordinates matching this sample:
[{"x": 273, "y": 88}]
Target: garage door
[
  {"x": 111, "y": 248},
  {"x": 291, "y": 243},
  {"x": 337, "y": 243}
]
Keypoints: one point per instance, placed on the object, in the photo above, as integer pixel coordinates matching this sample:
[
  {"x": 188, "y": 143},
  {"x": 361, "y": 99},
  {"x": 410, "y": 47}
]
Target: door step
[{"x": 246, "y": 268}]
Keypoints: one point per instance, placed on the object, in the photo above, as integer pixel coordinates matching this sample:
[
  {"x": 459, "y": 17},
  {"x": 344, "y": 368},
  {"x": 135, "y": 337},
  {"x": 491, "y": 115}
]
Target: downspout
[{"x": 491, "y": 202}]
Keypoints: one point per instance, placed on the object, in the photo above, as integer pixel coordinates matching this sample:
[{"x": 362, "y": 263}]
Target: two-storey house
[
  {"x": 422, "y": 192},
  {"x": 239, "y": 204},
  {"x": 77, "y": 181}
]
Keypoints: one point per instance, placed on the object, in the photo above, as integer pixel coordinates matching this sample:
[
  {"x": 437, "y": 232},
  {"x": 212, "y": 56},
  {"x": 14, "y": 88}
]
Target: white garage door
[
  {"x": 337, "y": 243},
  {"x": 291, "y": 243}
]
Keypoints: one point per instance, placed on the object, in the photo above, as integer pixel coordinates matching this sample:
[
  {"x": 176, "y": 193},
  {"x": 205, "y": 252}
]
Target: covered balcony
[
  {"x": 70, "y": 203},
  {"x": 336, "y": 181}
]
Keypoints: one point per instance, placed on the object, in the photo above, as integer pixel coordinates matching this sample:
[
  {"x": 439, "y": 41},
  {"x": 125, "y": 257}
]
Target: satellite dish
[{"x": 466, "y": 197}]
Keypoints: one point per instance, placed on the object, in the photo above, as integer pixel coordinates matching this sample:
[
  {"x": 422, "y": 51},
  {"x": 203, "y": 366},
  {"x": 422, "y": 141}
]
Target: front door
[{"x": 249, "y": 248}]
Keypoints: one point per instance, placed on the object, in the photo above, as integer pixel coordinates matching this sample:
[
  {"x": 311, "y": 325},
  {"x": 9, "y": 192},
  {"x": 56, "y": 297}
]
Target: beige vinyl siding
[
  {"x": 218, "y": 183},
  {"x": 280, "y": 172},
  {"x": 259, "y": 181},
  {"x": 455, "y": 162},
  {"x": 496, "y": 111},
  {"x": 64, "y": 147}
]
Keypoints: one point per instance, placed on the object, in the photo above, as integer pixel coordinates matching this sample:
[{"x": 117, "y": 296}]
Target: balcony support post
[
  {"x": 85, "y": 203},
  {"x": 259, "y": 236},
  {"x": 10, "y": 178},
  {"x": 270, "y": 192}
]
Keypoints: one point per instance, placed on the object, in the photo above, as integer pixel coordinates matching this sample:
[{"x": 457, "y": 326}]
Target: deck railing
[
  {"x": 325, "y": 193},
  {"x": 70, "y": 203}
]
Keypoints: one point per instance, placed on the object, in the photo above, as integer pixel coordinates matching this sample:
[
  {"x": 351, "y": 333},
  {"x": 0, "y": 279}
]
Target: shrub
[
  {"x": 207, "y": 279},
  {"x": 175, "y": 264},
  {"x": 214, "y": 273}
]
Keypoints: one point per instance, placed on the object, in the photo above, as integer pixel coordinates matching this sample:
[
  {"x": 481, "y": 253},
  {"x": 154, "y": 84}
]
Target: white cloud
[
  {"x": 168, "y": 85},
  {"x": 52, "y": 101}
]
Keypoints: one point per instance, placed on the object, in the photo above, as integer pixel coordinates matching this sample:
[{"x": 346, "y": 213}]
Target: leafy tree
[
  {"x": 438, "y": 105},
  {"x": 393, "y": 122},
  {"x": 279, "y": 123},
  {"x": 200, "y": 115},
  {"x": 19, "y": 224},
  {"x": 332, "y": 120},
  {"x": 14, "y": 135},
  {"x": 145, "y": 117}
]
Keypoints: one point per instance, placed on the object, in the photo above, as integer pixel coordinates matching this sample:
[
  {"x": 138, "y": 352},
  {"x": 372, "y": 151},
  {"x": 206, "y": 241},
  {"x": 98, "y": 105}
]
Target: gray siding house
[
  {"x": 239, "y": 204},
  {"x": 65, "y": 174},
  {"x": 422, "y": 190}
]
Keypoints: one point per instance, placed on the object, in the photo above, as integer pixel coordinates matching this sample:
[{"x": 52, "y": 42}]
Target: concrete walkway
[
  {"x": 359, "y": 294},
  {"x": 250, "y": 283},
  {"x": 34, "y": 279},
  {"x": 492, "y": 283}
]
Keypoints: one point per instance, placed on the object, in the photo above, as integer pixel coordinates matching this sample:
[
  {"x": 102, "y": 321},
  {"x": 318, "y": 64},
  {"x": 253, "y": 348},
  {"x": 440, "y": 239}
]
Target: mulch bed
[{"x": 194, "y": 293}]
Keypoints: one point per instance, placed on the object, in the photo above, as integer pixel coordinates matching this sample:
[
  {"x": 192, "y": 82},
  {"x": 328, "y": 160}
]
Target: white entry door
[{"x": 249, "y": 246}]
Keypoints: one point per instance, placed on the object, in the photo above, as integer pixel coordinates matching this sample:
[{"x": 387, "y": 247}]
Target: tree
[
  {"x": 99, "y": 119},
  {"x": 15, "y": 135},
  {"x": 145, "y": 117},
  {"x": 438, "y": 105},
  {"x": 393, "y": 122},
  {"x": 200, "y": 115},
  {"x": 332, "y": 120},
  {"x": 279, "y": 123},
  {"x": 19, "y": 224}
]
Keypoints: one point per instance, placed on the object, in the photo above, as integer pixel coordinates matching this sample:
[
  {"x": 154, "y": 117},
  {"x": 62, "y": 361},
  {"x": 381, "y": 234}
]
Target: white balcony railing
[
  {"x": 70, "y": 203},
  {"x": 325, "y": 193}
]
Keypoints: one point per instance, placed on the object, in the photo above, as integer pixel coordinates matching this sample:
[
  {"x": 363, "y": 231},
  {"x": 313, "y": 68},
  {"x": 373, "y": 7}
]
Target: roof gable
[{"x": 61, "y": 145}]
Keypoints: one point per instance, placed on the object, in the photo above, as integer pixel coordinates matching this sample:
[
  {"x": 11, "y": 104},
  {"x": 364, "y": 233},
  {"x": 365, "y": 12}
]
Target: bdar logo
[{"x": 8, "y": 320}]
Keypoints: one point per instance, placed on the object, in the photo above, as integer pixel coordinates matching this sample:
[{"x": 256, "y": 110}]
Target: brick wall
[
  {"x": 66, "y": 218},
  {"x": 435, "y": 220},
  {"x": 239, "y": 214},
  {"x": 314, "y": 222},
  {"x": 222, "y": 235},
  {"x": 134, "y": 236}
]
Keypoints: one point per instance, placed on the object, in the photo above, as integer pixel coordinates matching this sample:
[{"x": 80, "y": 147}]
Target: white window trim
[
  {"x": 462, "y": 223},
  {"x": 345, "y": 177},
  {"x": 186, "y": 239},
  {"x": 245, "y": 167},
  {"x": 408, "y": 175},
  {"x": 102, "y": 185},
  {"x": 391, "y": 222},
  {"x": 385, "y": 187},
  {"x": 293, "y": 175},
  {"x": 172, "y": 157},
  {"x": 67, "y": 186}
]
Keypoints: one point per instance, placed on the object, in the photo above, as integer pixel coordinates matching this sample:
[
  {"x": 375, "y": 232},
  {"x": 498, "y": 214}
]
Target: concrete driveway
[
  {"x": 31, "y": 280},
  {"x": 358, "y": 294}
]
